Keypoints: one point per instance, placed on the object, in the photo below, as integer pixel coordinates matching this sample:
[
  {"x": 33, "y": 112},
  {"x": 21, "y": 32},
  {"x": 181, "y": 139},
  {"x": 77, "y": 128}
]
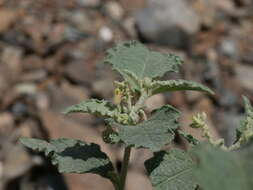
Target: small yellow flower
[{"x": 117, "y": 96}]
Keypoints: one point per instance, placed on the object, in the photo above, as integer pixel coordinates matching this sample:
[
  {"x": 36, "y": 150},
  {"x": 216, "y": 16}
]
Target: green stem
[
  {"x": 141, "y": 101},
  {"x": 125, "y": 163}
]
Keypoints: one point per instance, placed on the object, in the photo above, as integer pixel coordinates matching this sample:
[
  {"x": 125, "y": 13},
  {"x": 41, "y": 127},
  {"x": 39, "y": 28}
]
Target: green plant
[{"x": 128, "y": 124}]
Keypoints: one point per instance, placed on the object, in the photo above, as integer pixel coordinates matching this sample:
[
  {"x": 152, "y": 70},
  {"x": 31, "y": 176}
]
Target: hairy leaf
[
  {"x": 171, "y": 170},
  {"x": 136, "y": 58},
  {"x": 153, "y": 133},
  {"x": 175, "y": 85},
  {"x": 245, "y": 131},
  {"x": 93, "y": 106},
  {"x": 73, "y": 156},
  {"x": 218, "y": 169}
]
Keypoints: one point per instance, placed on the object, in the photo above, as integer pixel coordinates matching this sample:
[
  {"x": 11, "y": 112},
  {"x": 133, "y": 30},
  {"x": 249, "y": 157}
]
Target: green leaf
[
  {"x": 93, "y": 106},
  {"x": 73, "y": 156},
  {"x": 245, "y": 131},
  {"x": 132, "y": 79},
  {"x": 171, "y": 170},
  {"x": 153, "y": 133},
  {"x": 191, "y": 139},
  {"x": 223, "y": 170},
  {"x": 136, "y": 58},
  {"x": 176, "y": 85}
]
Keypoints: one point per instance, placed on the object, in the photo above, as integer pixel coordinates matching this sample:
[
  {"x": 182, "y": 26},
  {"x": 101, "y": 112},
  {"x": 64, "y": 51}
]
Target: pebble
[
  {"x": 229, "y": 47},
  {"x": 129, "y": 26},
  {"x": 42, "y": 101},
  {"x": 89, "y": 3},
  {"x": 114, "y": 10},
  {"x": 244, "y": 75},
  {"x": 6, "y": 122},
  {"x": 106, "y": 34},
  {"x": 26, "y": 88},
  {"x": 160, "y": 22}
]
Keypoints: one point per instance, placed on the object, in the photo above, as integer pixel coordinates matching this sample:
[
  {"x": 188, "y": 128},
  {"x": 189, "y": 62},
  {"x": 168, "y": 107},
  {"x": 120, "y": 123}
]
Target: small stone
[
  {"x": 89, "y": 3},
  {"x": 10, "y": 16},
  {"x": 32, "y": 62},
  {"x": 26, "y": 88},
  {"x": 244, "y": 75},
  {"x": 160, "y": 22},
  {"x": 206, "y": 11},
  {"x": 66, "y": 95},
  {"x": 129, "y": 26},
  {"x": 81, "y": 21},
  {"x": 79, "y": 72},
  {"x": 103, "y": 88},
  {"x": 72, "y": 34},
  {"x": 193, "y": 96},
  {"x": 36, "y": 75},
  {"x": 229, "y": 47},
  {"x": 106, "y": 34},
  {"x": 42, "y": 101},
  {"x": 28, "y": 129},
  {"x": 11, "y": 58},
  {"x": 114, "y": 10},
  {"x": 6, "y": 122},
  {"x": 19, "y": 109},
  {"x": 17, "y": 162}
]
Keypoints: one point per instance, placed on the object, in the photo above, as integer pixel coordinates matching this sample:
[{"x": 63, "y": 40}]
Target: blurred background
[{"x": 50, "y": 58}]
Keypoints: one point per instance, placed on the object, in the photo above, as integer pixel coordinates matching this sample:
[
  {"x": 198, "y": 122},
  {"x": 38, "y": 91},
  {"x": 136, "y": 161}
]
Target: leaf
[
  {"x": 222, "y": 170},
  {"x": 245, "y": 131},
  {"x": 73, "y": 156},
  {"x": 191, "y": 139},
  {"x": 176, "y": 85},
  {"x": 93, "y": 106},
  {"x": 171, "y": 170},
  {"x": 132, "y": 79},
  {"x": 136, "y": 58},
  {"x": 153, "y": 133}
]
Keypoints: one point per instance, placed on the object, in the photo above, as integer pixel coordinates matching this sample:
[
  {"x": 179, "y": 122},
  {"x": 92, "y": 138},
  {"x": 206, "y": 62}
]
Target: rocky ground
[{"x": 50, "y": 53}]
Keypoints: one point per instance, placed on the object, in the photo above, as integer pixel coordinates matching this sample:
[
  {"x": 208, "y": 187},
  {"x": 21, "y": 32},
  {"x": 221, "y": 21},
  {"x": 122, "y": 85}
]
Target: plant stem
[{"x": 123, "y": 173}]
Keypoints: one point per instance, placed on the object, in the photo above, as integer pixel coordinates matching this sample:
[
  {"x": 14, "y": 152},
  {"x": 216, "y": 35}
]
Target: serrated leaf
[
  {"x": 93, "y": 106},
  {"x": 176, "y": 85},
  {"x": 73, "y": 156},
  {"x": 222, "y": 170},
  {"x": 246, "y": 125},
  {"x": 136, "y": 58},
  {"x": 171, "y": 170},
  {"x": 153, "y": 133}
]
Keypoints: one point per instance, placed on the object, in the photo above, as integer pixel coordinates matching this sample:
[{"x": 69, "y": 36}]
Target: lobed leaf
[
  {"x": 218, "y": 169},
  {"x": 93, "y": 106},
  {"x": 73, "y": 156},
  {"x": 176, "y": 85},
  {"x": 171, "y": 170},
  {"x": 134, "y": 57},
  {"x": 153, "y": 133}
]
